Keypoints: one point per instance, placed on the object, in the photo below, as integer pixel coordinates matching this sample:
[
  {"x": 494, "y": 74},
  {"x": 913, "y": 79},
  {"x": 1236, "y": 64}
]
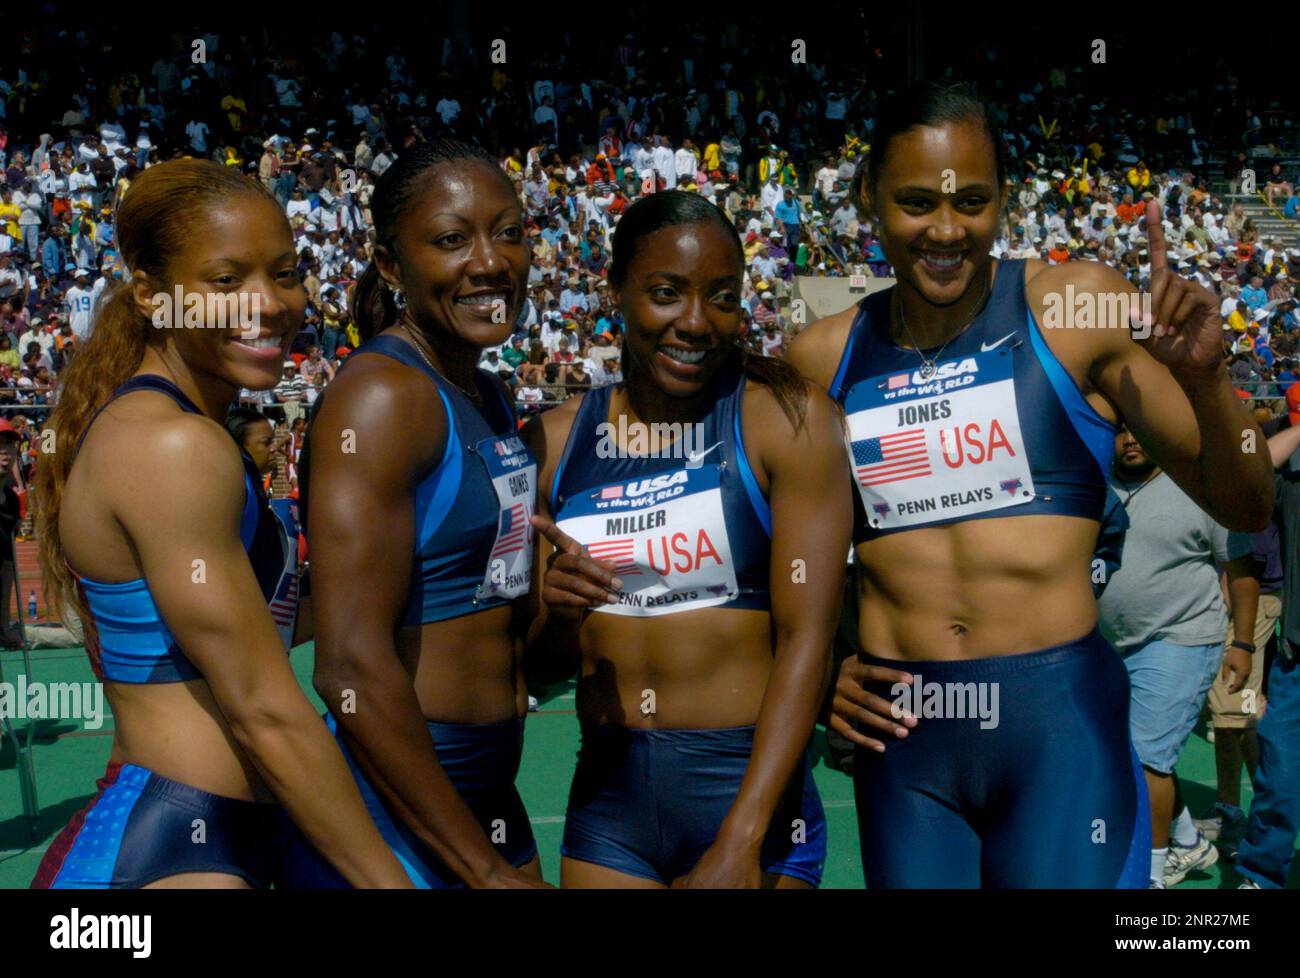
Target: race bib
[
  {"x": 513, "y": 471},
  {"x": 925, "y": 449},
  {"x": 666, "y": 536}
]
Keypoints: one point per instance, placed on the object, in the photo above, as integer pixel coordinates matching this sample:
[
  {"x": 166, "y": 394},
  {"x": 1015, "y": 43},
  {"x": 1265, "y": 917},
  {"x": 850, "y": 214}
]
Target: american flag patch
[
  {"x": 284, "y": 609},
  {"x": 898, "y": 380},
  {"x": 512, "y": 535},
  {"x": 612, "y": 492},
  {"x": 618, "y": 552},
  {"x": 891, "y": 458}
]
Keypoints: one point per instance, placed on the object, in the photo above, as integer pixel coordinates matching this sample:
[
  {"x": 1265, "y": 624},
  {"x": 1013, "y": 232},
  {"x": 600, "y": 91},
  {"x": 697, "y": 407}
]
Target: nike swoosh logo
[
  {"x": 985, "y": 347},
  {"x": 695, "y": 457}
]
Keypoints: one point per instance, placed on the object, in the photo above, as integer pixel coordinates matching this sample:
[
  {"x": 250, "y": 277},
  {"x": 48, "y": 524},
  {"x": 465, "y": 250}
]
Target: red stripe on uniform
[{"x": 57, "y": 854}]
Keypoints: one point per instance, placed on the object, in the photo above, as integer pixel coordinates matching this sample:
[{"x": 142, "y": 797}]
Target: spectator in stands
[
  {"x": 291, "y": 391},
  {"x": 315, "y": 366},
  {"x": 789, "y": 214},
  {"x": 1276, "y": 185}
]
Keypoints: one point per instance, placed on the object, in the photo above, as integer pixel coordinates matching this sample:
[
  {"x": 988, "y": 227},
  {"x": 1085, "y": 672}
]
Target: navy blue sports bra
[
  {"x": 473, "y": 538},
  {"x": 998, "y": 429},
  {"x": 127, "y": 639},
  {"x": 684, "y": 532}
]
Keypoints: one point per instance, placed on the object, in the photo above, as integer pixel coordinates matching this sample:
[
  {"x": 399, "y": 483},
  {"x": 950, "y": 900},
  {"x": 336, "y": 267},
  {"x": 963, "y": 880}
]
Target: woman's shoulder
[{"x": 148, "y": 433}]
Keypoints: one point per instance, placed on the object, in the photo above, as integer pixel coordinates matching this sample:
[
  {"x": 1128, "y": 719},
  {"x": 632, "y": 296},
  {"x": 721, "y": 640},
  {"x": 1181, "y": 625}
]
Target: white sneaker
[
  {"x": 1184, "y": 859},
  {"x": 1249, "y": 885},
  {"x": 1156, "y": 885},
  {"x": 533, "y": 705}
]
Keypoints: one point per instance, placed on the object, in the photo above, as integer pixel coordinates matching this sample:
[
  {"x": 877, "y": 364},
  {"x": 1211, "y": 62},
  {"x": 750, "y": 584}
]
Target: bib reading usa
[
  {"x": 514, "y": 478},
  {"x": 666, "y": 536},
  {"x": 935, "y": 448}
]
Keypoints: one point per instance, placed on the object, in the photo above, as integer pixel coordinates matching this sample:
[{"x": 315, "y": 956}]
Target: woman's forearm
[
  {"x": 389, "y": 739},
  {"x": 302, "y": 765},
  {"x": 1236, "y": 484},
  {"x": 785, "y": 723}
]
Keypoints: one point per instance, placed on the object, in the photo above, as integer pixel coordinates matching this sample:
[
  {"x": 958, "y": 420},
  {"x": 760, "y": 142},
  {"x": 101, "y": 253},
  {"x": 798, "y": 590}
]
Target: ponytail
[
  {"x": 784, "y": 381},
  {"x": 110, "y": 357},
  {"x": 373, "y": 306}
]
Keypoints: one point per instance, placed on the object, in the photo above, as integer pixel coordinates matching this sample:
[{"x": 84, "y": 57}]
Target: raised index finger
[
  {"x": 1156, "y": 237},
  {"x": 560, "y": 540}
]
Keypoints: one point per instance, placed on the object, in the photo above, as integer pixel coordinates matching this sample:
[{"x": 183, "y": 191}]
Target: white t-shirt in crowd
[
  {"x": 80, "y": 303},
  {"x": 666, "y": 165},
  {"x": 686, "y": 164}
]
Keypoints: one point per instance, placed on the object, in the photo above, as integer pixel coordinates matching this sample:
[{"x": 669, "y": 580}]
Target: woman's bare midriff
[
  {"x": 177, "y": 731},
  {"x": 465, "y": 670},
  {"x": 694, "y": 670},
  {"x": 466, "y": 673},
  {"x": 977, "y": 589}
]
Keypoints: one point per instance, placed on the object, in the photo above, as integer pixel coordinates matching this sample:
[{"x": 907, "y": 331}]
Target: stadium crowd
[{"x": 583, "y": 138}]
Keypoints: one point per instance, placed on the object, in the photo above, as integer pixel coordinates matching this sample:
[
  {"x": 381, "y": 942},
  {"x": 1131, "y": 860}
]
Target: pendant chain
[{"x": 928, "y": 364}]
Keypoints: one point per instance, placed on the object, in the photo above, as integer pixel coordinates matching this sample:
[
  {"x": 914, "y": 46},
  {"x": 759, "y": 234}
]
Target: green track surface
[{"x": 68, "y": 759}]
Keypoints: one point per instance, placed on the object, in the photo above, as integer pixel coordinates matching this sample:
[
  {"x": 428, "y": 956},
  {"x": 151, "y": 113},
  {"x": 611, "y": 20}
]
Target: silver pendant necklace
[{"x": 929, "y": 365}]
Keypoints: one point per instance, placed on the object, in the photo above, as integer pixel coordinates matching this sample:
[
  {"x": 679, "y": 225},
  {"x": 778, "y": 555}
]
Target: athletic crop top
[
  {"x": 127, "y": 639},
  {"x": 999, "y": 429},
  {"x": 473, "y": 535},
  {"x": 684, "y": 532}
]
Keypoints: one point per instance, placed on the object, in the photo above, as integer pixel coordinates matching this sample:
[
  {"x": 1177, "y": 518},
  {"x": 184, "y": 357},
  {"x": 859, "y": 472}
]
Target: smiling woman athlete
[
  {"x": 698, "y": 584},
  {"x": 980, "y": 443},
  {"x": 414, "y": 479},
  {"x": 176, "y": 554}
]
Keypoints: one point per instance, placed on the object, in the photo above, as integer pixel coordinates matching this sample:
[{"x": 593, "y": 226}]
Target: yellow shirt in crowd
[{"x": 9, "y": 214}]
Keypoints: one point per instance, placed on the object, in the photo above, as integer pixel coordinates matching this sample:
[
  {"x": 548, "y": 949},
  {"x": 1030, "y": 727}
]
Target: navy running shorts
[
  {"x": 648, "y": 803},
  {"x": 142, "y": 827},
  {"x": 1020, "y": 773}
]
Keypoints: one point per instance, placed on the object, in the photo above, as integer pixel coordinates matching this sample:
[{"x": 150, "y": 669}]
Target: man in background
[{"x": 1163, "y": 611}]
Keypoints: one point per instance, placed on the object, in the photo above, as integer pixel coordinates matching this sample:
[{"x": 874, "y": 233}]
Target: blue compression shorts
[
  {"x": 142, "y": 827},
  {"x": 1044, "y": 790},
  {"x": 648, "y": 803}
]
